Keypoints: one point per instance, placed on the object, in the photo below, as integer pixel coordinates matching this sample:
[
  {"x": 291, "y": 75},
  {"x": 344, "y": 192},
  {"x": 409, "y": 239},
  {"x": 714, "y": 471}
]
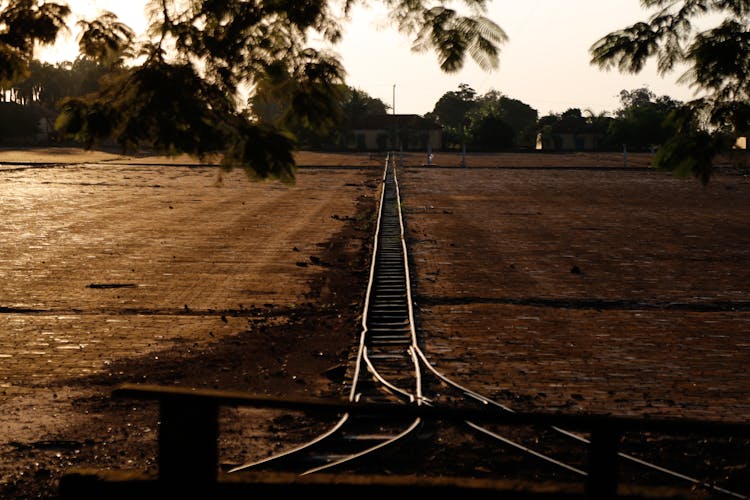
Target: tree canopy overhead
[
  {"x": 179, "y": 88},
  {"x": 718, "y": 61}
]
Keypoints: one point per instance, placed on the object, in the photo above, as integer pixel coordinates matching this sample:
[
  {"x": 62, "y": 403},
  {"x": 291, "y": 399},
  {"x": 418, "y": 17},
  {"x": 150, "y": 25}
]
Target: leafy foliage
[
  {"x": 452, "y": 35},
  {"x": 452, "y": 112},
  {"x": 180, "y": 89},
  {"x": 488, "y": 122},
  {"x": 271, "y": 104},
  {"x": 23, "y": 24},
  {"x": 105, "y": 38},
  {"x": 49, "y": 83},
  {"x": 519, "y": 117},
  {"x": 718, "y": 61},
  {"x": 453, "y": 107},
  {"x": 644, "y": 120},
  {"x": 490, "y": 132}
]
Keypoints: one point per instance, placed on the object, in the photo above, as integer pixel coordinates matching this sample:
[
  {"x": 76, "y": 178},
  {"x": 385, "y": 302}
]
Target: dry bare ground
[{"x": 585, "y": 287}]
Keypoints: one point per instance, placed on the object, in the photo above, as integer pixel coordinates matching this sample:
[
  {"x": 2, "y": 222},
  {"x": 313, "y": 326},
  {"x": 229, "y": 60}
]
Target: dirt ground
[{"x": 554, "y": 282}]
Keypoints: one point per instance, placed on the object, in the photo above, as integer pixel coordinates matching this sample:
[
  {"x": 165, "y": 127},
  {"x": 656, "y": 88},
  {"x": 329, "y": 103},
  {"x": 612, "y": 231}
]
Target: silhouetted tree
[
  {"x": 643, "y": 121},
  {"x": 518, "y": 117},
  {"x": 105, "y": 39},
  {"x": 572, "y": 122},
  {"x": 451, "y": 111},
  {"x": 599, "y": 124},
  {"x": 352, "y": 105},
  {"x": 453, "y": 106},
  {"x": 358, "y": 104},
  {"x": 23, "y": 24},
  {"x": 489, "y": 132},
  {"x": 179, "y": 90},
  {"x": 467, "y": 117},
  {"x": 48, "y": 83},
  {"x": 718, "y": 61}
]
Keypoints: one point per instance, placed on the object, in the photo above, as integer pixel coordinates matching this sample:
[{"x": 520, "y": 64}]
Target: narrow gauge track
[{"x": 390, "y": 368}]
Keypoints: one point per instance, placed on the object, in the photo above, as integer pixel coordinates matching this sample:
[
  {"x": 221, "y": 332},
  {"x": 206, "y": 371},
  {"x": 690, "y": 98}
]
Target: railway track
[{"x": 391, "y": 369}]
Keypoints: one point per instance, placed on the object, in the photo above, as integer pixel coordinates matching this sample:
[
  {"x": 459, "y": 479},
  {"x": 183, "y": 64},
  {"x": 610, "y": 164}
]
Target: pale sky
[{"x": 545, "y": 62}]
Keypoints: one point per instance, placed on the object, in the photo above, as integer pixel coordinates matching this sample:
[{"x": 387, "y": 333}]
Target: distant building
[
  {"x": 568, "y": 141},
  {"x": 395, "y": 132}
]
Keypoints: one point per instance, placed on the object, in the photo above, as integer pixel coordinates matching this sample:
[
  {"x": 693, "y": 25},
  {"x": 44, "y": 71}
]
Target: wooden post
[
  {"x": 188, "y": 442},
  {"x": 603, "y": 463}
]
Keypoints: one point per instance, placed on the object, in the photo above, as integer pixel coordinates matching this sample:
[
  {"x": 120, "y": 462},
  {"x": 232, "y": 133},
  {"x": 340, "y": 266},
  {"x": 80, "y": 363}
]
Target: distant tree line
[
  {"x": 483, "y": 123},
  {"x": 29, "y": 107},
  {"x": 494, "y": 122},
  {"x": 642, "y": 123}
]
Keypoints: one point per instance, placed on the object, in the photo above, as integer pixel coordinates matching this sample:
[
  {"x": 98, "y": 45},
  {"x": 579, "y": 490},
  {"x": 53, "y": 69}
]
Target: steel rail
[
  {"x": 374, "y": 372},
  {"x": 294, "y": 450},
  {"x": 366, "y": 451},
  {"x": 368, "y": 294},
  {"x": 383, "y": 324}
]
